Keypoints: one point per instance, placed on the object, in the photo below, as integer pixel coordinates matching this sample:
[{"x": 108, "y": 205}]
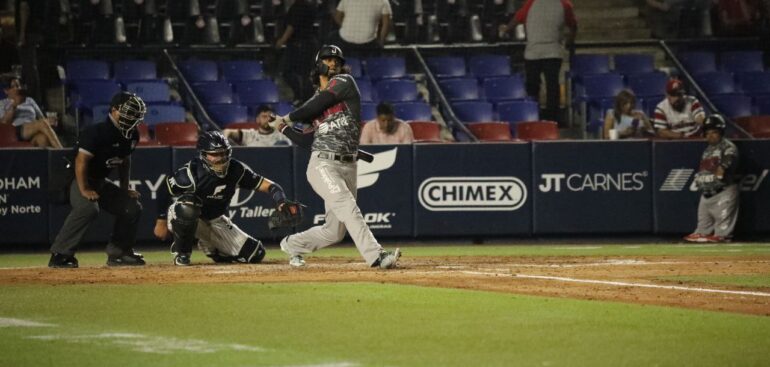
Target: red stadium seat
[
  {"x": 144, "y": 136},
  {"x": 754, "y": 124},
  {"x": 490, "y": 131},
  {"x": 8, "y": 138},
  {"x": 537, "y": 130},
  {"x": 242, "y": 125},
  {"x": 425, "y": 131},
  {"x": 177, "y": 133}
]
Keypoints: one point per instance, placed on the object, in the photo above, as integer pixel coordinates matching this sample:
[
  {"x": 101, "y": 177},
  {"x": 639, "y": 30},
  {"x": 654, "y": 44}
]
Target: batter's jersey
[
  {"x": 724, "y": 154},
  {"x": 666, "y": 117},
  {"x": 212, "y": 191},
  {"x": 338, "y": 129},
  {"x": 107, "y": 146}
]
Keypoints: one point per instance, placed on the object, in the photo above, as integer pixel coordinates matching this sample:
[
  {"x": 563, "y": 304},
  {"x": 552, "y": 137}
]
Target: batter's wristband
[{"x": 276, "y": 191}]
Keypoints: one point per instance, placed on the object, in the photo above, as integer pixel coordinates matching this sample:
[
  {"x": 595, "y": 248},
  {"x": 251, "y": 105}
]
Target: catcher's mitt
[{"x": 290, "y": 215}]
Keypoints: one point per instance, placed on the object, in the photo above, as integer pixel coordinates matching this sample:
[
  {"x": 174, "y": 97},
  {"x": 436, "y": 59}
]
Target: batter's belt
[{"x": 344, "y": 158}]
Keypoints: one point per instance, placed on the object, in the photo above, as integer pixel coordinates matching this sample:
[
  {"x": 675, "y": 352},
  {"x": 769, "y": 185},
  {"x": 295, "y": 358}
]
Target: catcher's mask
[
  {"x": 131, "y": 110},
  {"x": 326, "y": 52},
  {"x": 215, "y": 152}
]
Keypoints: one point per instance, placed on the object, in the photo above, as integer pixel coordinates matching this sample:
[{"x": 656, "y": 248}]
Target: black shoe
[
  {"x": 182, "y": 259},
  {"x": 131, "y": 259},
  {"x": 62, "y": 261}
]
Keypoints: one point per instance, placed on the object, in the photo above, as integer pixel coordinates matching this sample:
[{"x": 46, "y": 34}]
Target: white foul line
[{"x": 622, "y": 284}]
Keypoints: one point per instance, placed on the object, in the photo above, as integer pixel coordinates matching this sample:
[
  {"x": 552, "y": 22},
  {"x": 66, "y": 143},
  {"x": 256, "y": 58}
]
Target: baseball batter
[
  {"x": 718, "y": 207},
  {"x": 202, "y": 190},
  {"x": 335, "y": 110}
]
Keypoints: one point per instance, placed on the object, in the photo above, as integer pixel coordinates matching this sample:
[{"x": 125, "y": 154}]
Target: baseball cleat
[
  {"x": 131, "y": 259},
  {"x": 182, "y": 259},
  {"x": 297, "y": 261},
  {"x": 388, "y": 260},
  {"x": 717, "y": 239},
  {"x": 696, "y": 237},
  {"x": 62, "y": 261}
]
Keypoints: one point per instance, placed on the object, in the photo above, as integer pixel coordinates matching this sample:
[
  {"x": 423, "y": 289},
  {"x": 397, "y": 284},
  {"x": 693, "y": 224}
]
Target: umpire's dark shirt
[{"x": 107, "y": 146}]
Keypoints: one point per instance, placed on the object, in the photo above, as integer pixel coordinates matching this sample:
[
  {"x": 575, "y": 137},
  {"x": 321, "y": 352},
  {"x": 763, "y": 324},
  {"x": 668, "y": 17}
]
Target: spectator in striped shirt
[{"x": 678, "y": 116}]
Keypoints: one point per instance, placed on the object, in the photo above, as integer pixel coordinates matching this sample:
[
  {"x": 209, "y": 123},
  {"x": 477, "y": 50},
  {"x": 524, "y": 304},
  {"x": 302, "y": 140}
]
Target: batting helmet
[
  {"x": 213, "y": 142},
  {"x": 715, "y": 122},
  {"x": 131, "y": 110},
  {"x": 326, "y": 52}
]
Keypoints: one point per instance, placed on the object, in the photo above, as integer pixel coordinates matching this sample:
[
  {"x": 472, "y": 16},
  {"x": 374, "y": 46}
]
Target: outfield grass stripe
[
  {"x": 9, "y": 322},
  {"x": 620, "y": 284}
]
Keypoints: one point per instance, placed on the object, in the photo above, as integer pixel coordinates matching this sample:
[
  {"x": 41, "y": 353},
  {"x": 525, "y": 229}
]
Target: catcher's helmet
[
  {"x": 715, "y": 122},
  {"x": 131, "y": 109},
  {"x": 213, "y": 142},
  {"x": 325, "y": 52}
]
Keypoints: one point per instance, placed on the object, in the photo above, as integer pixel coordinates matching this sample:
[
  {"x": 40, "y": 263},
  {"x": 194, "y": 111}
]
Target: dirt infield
[{"x": 612, "y": 278}]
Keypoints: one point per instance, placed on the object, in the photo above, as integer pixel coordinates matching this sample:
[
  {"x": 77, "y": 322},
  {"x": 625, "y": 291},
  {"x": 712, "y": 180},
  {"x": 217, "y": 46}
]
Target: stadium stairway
[{"x": 610, "y": 20}]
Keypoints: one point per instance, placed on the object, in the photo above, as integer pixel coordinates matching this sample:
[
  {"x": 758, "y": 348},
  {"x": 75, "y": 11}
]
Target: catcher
[{"x": 202, "y": 190}]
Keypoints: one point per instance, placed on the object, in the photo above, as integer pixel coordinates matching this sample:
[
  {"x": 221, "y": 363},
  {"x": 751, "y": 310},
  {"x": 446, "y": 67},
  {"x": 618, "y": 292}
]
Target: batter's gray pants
[
  {"x": 113, "y": 200},
  {"x": 335, "y": 182},
  {"x": 718, "y": 214}
]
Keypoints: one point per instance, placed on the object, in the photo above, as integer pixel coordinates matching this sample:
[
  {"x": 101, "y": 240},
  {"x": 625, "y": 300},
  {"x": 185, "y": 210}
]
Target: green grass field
[{"x": 368, "y": 324}]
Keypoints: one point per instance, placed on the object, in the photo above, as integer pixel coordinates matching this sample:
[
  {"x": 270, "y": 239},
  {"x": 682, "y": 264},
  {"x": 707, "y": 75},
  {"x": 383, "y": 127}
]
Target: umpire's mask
[{"x": 131, "y": 110}]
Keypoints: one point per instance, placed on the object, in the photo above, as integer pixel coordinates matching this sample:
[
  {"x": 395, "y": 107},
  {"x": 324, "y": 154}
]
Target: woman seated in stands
[
  {"x": 23, "y": 113},
  {"x": 624, "y": 120}
]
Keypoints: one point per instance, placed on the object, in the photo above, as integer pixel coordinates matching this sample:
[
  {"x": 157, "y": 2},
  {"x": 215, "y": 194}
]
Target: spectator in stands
[
  {"x": 627, "y": 122},
  {"x": 263, "y": 136},
  {"x": 386, "y": 128},
  {"x": 545, "y": 23},
  {"x": 738, "y": 17},
  {"x": 299, "y": 39},
  {"x": 23, "y": 113},
  {"x": 678, "y": 115},
  {"x": 363, "y": 24}
]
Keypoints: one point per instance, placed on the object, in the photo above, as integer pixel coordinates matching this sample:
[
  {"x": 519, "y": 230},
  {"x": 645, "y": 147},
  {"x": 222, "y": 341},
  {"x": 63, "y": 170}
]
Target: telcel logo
[{"x": 472, "y": 193}]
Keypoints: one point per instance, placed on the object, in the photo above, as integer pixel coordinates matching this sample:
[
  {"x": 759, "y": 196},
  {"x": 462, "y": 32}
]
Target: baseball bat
[{"x": 365, "y": 156}]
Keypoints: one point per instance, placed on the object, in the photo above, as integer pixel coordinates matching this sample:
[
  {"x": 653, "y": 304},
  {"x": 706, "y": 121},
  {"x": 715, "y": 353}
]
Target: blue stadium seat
[
  {"x": 504, "y": 88},
  {"x": 484, "y": 66},
  {"x": 397, "y": 90},
  {"x": 355, "y": 67},
  {"x": 473, "y": 111},
  {"x": 755, "y": 83},
  {"x": 224, "y": 114},
  {"x": 87, "y": 69},
  {"x": 239, "y": 70},
  {"x": 88, "y": 93},
  {"x": 627, "y": 64},
  {"x": 733, "y": 105},
  {"x": 762, "y": 105},
  {"x": 518, "y": 111},
  {"x": 199, "y": 70},
  {"x": 214, "y": 92},
  {"x": 98, "y": 113},
  {"x": 447, "y": 66},
  {"x": 256, "y": 92},
  {"x": 282, "y": 108},
  {"x": 160, "y": 113},
  {"x": 650, "y": 102},
  {"x": 386, "y": 68},
  {"x": 716, "y": 83},
  {"x": 135, "y": 70},
  {"x": 589, "y": 64},
  {"x": 601, "y": 86},
  {"x": 741, "y": 61},
  {"x": 464, "y": 89},
  {"x": 151, "y": 91},
  {"x": 648, "y": 84},
  {"x": 368, "y": 111},
  {"x": 366, "y": 90},
  {"x": 413, "y": 111},
  {"x": 697, "y": 62}
]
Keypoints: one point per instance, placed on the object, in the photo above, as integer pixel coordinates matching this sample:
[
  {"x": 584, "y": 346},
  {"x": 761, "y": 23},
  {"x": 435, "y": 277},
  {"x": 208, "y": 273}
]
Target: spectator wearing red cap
[{"x": 679, "y": 115}]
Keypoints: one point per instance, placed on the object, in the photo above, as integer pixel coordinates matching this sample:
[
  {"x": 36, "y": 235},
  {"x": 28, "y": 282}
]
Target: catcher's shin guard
[
  {"x": 183, "y": 226},
  {"x": 252, "y": 252}
]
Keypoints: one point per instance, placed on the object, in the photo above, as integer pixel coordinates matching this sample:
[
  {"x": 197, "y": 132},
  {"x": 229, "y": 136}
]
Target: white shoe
[
  {"x": 297, "y": 261},
  {"x": 388, "y": 260}
]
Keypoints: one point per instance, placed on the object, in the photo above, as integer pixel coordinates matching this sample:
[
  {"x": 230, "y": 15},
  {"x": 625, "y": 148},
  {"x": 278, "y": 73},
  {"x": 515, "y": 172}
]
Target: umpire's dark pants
[
  {"x": 550, "y": 69},
  {"x": 113, "y": 200}
]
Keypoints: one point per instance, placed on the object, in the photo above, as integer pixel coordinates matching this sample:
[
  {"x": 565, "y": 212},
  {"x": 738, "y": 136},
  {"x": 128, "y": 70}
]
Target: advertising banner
[
  {"x": 592, "y": 187},
  {"x": 384, "y": 190},
  {"x": 24, "y": 196},
  {"x": 248, "y": 209},
  {"x": 677, "y": 197},
  {"x": 472, "y": 189}
]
